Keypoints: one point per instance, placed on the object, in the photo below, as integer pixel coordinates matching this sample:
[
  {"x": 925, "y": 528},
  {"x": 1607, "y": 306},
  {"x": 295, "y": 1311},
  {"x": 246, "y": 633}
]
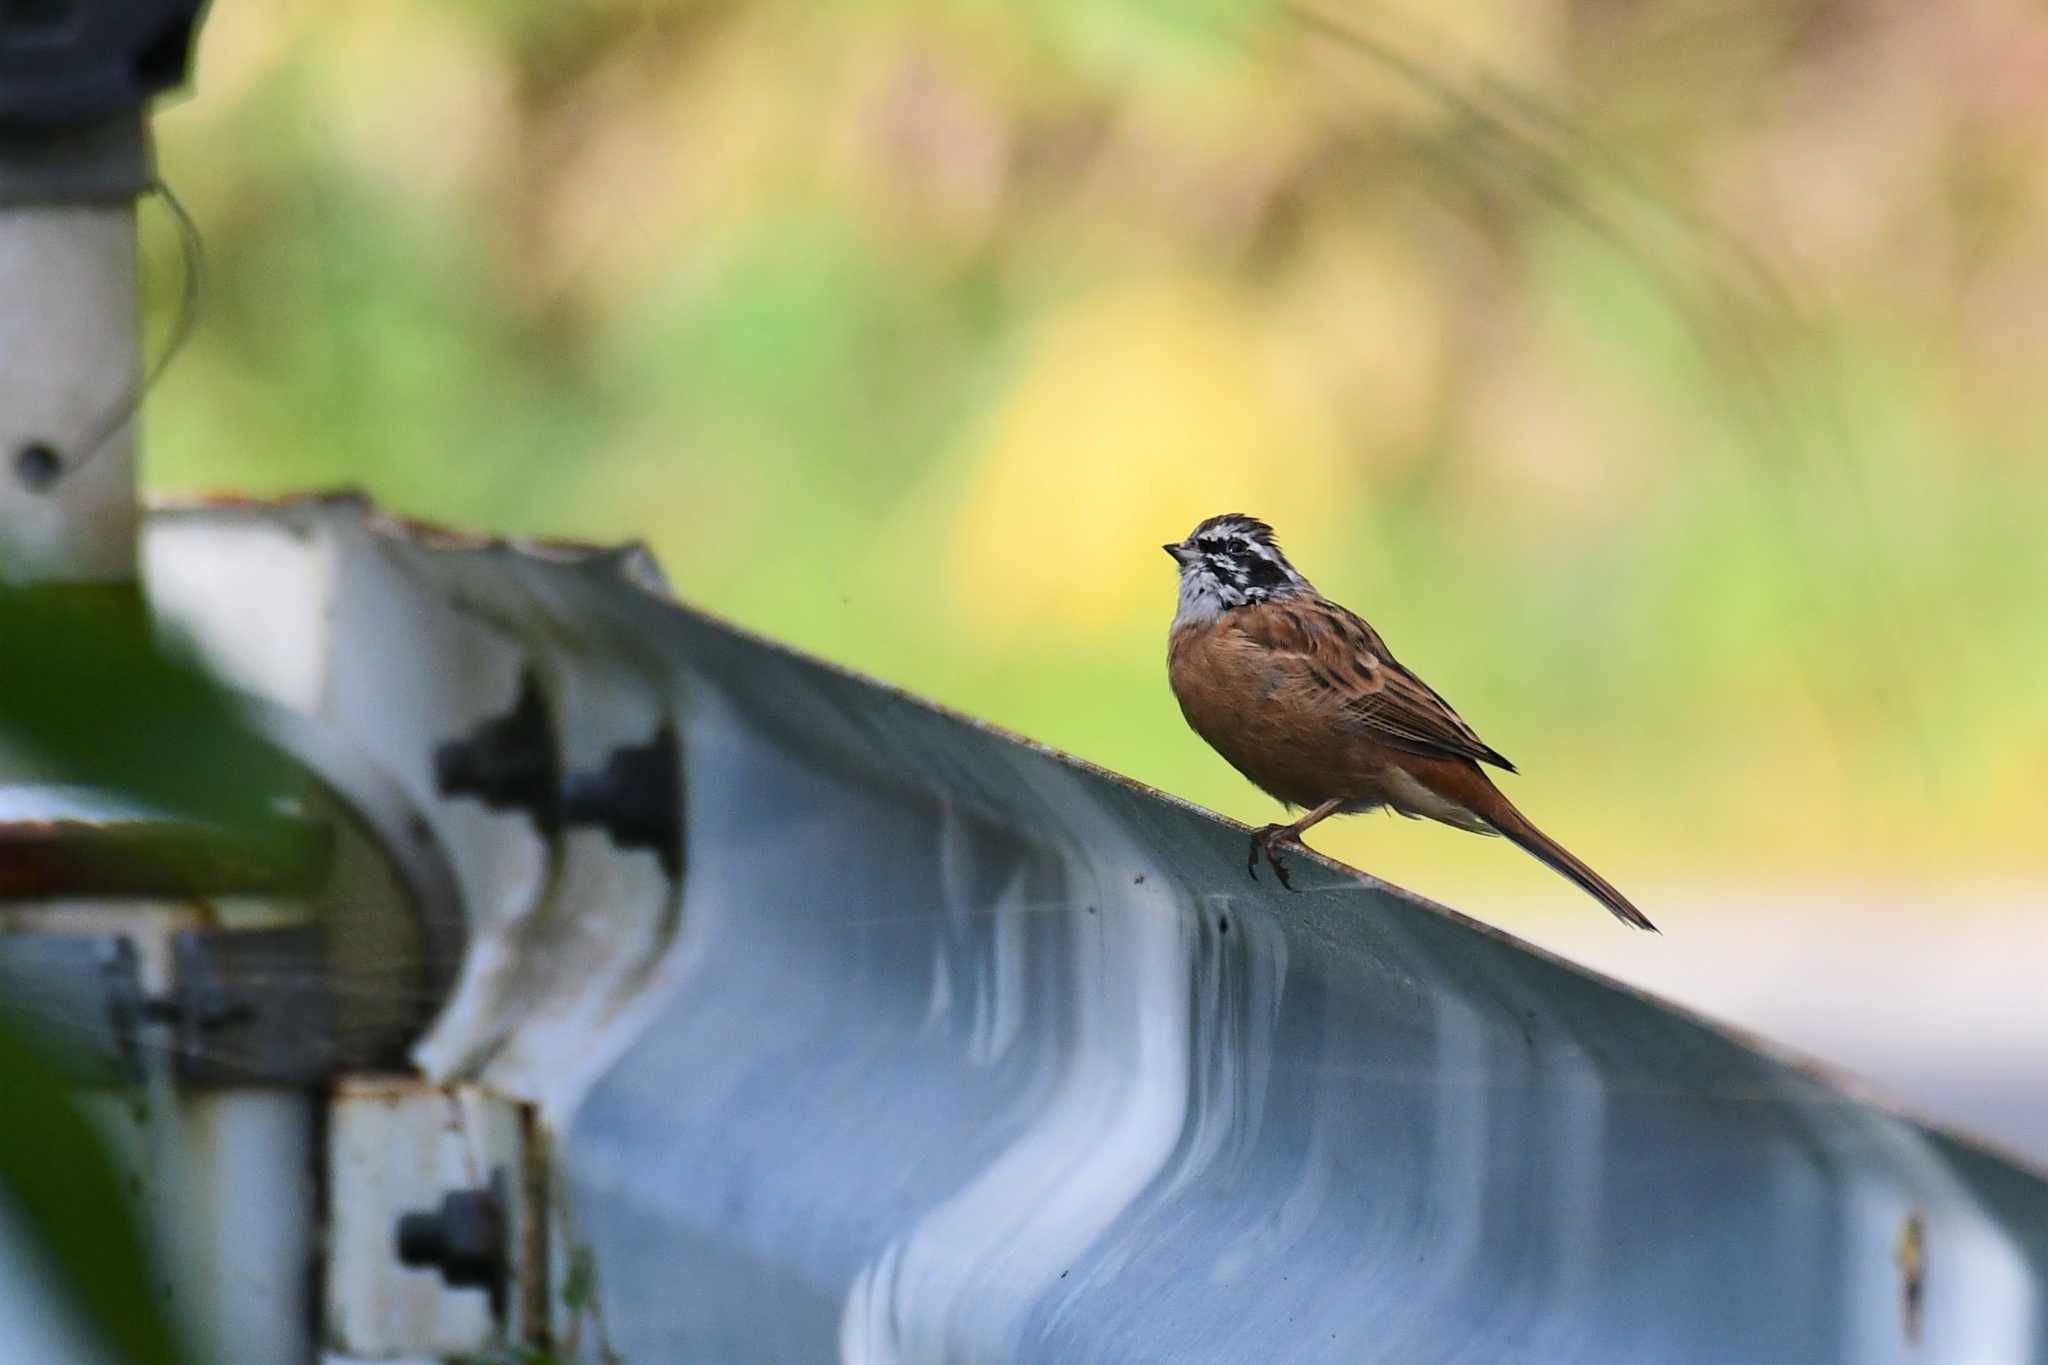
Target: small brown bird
[{"x": 1304, "y": 698}]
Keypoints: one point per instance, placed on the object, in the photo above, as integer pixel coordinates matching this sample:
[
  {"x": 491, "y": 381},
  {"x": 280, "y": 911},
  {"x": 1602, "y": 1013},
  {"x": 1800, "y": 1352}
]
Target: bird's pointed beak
[{"x": 1177, "y": 553}]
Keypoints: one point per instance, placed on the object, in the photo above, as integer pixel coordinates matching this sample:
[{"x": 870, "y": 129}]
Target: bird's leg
[{"x": 1268, "y": 838}]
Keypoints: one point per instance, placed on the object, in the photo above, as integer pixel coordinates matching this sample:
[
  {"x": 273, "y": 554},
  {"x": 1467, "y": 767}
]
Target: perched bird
[{"x": 1305, "y": 699}]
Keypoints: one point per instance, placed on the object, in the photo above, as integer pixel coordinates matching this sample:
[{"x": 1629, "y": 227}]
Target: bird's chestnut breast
[{"x": 1251, "y": 707}]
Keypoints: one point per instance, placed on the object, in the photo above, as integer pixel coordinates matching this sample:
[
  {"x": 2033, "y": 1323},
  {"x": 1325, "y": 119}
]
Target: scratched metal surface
[{"x": 951, "y": 1049}]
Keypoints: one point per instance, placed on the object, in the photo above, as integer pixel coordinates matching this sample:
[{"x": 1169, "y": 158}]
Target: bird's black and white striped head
[{"x": 1231, "y": 561}]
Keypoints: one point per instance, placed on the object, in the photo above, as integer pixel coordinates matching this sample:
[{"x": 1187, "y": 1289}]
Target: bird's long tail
[{"x": 1516, "y": 827}]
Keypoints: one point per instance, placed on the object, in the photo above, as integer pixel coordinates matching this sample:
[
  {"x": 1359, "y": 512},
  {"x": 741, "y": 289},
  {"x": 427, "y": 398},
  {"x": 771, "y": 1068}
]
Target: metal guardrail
[{"x": 918, "y": 1042}]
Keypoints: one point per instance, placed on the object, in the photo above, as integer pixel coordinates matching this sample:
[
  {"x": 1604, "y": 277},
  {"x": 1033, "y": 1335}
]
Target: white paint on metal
[
  {"x": 397, "y": 1146},
  {"x": 244, "y": 1223},
  {"x": 259, "y": 601},
  {"x": 69, "y": 367}
]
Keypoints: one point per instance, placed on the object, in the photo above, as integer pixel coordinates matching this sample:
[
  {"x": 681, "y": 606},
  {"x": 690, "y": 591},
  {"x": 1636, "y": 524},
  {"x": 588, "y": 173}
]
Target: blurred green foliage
[
  {"x": 1661, "y": 379},
  {"x": 93, "y": 696},
  {"x": 57, "y": 1179},
  {"x": 90, "y": 695}
]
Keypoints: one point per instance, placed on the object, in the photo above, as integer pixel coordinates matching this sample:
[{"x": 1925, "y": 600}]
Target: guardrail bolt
[
  {"x": 636, "y": 797},
  {"x": 464, "y": 1239},
  {"x": 508, "y": 763}
]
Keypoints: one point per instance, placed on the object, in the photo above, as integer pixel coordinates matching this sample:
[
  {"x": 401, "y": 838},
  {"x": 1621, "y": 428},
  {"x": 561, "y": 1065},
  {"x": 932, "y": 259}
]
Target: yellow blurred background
[{"x": 1664, "y": 380}]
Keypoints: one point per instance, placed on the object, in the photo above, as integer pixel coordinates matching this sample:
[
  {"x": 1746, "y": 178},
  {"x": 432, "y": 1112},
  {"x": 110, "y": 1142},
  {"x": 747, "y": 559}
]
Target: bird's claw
[{"x": 1264, "y": 841}]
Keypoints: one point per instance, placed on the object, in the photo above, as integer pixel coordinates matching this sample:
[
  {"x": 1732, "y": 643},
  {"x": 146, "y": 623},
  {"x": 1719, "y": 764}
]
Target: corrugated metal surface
[{"x": 949, "y": 1048}]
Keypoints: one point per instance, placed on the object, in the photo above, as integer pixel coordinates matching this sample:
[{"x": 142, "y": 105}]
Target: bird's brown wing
[{"x": 1344, "y": 658}]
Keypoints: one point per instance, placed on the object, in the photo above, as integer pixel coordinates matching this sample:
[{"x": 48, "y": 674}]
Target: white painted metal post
[
  {"x": 227, "y": 1180},
  {"x": 69, "y": 372}
]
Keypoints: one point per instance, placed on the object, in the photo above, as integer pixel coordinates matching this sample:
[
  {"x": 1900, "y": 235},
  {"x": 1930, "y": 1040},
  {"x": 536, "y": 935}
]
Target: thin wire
[
  {"x": 192, "y": 255},
  {"x": 1719, "y": 284}
]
